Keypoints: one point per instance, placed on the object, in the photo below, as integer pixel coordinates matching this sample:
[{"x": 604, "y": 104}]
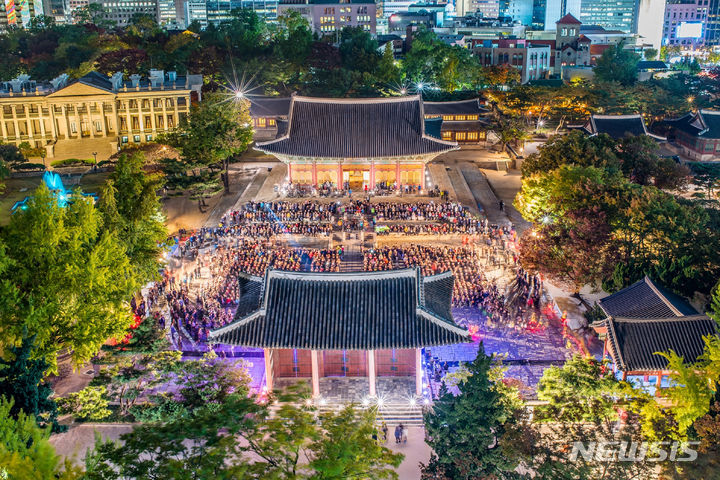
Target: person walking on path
[
  {"x": 398, "y": 433},
  {"x": 384, "y": 432}
]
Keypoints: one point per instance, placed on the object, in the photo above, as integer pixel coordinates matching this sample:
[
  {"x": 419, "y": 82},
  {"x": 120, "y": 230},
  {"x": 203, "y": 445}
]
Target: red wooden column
[
  {"x": 397, "y": 175},
  {"x": 371, "y": 371},
  {"x": 314, "y": 174},
  {"x": 268, "y": 354},
  {"x": 372, "y": 176},
  {"x": 315, "y": 373},
  {"x": 418, "y": 372},
  {"x": 290, "y": 172},
  {"x": 339, "y": 176}
]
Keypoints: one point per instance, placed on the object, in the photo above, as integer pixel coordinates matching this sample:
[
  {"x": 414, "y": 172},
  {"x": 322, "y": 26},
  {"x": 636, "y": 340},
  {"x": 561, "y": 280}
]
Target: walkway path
[{"x": 482, "y": 193}]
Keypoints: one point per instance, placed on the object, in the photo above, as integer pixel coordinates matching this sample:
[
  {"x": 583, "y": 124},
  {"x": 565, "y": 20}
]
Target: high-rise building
[
  {"x": 121, "y": 11},
  {"x": 19, "y": 12},
  {"x": 712, "y": 23},
  {"x": 219, "y": 10},
  {"x": 684, "y": 22},
  {"x": 195, "y": 11},
  {"x": 327, "y": 17},
  {"x": 520, "y": 10},
  {"x": 611, "y": 14},
  {"x": 546, "y": 12},
  {"x": 649, "y": 22}
]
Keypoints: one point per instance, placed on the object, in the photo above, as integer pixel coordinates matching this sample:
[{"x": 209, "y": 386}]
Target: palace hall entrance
[{"x": 356, "y": 176}]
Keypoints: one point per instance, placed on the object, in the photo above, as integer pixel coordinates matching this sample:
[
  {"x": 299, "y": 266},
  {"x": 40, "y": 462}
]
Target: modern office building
[
  {"x": 546, "y": 12},
  {"x": 121, "y": 11},
  {"x": 611, "y": 14},
  {"x": 684, "y": 23},
  {"x": 219, "y": 10},
  {"x": 19, "y": 12},
  {"x": 712, "y": 23},
  {"x": 327, "y": 17}
]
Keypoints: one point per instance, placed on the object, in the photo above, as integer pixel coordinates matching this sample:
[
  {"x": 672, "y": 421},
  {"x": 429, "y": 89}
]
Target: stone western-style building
[
  {"x": 359, "y": 324},
  {"x": 698, "y": 134},
  {"x": 356, "y": 143},
  {"x": 95, "y": 113},
  {"x": 644, "y": 319}
]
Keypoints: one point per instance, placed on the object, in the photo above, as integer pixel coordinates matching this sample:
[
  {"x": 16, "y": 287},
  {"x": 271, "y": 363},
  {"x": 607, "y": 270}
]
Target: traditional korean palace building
[
  {"x": 356, "y": 143},
  {"x": 462, "y": 121},
  {"x": 360, "y": 324},
  {"x": 644, "y": 319},
  {"x": 618, "y": 126},
  {"x": 698, "y": 134}
]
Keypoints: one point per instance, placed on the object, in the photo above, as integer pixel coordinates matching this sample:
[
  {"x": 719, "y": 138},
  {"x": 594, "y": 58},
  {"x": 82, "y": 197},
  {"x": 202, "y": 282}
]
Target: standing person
[
  {"x": 384, "y": 432},
  {"x": 398, "y": 433},
  {"x": 402, "y": 433}
]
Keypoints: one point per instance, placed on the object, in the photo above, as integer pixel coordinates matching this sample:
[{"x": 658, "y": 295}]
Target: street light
[{"x": 95, "y": 157}]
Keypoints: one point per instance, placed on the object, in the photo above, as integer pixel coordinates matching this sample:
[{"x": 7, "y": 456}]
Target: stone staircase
[
  {"x": 352, "y": 260},
  {"x": 83, "y": 149},
  {"x": 392, "y": 413}
]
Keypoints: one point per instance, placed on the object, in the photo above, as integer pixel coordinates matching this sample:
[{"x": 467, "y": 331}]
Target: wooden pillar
[
  {"x": 315, "y": 373},
  {"x": 290, "y": 179},
  {"x": 418, "y": 372},
  {"x": 314, "y": 174},
  {"x": 268, "y": 369},
  {"x": 372, "y": 175},
  {"x": 371, "y": 372},
  {"x": 605, "y": 348},
  {"x": 423, "y": 172},
  {"x": 339, "y": 176},
  {"x": 397, "y": 175},
  {"x": 657, "y": 385}
]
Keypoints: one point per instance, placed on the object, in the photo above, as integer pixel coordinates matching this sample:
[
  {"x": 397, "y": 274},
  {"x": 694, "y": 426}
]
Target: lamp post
[{"x": 95, "y": 157}]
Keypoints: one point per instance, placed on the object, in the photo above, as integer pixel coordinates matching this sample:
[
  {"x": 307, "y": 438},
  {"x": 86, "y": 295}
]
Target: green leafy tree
[
  {"x": 196, "y": 447},
  {"x": 216, "y": 129},
  {"x": 68, "y": 282},
  {"x": 707, "y": 176},
  {"x": 131, "y": 208},
  {"x": 90, "y": 403},
  {"x": 21, "y": 379},
  {"x": 583, "y": 389},
  {"x": 650, "y": 54},
  {"x": 464, "y": 430},
  {"x": 346, "y": 448},
  {"x": 617, "y": 64},
  {"x": 25, "y": 452},
  {"x": 388, "y": 71},
  {"x": 131, "y": 378},
  {"x": 575, "y": 148}
]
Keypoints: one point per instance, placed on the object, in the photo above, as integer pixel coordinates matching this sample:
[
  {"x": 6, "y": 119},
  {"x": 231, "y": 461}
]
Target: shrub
[
  {"x": 72, "y": 162},
  {"x": 29, "y": 166},
  {"x": 89, "y": 403}
]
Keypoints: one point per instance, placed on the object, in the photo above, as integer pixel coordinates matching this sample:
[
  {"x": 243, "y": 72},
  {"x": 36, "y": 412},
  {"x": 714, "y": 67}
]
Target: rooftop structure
[
  {"x": 698, "y": 134},
  {"x": 301, "y": 319},
  {"x": 618, "y": 126},
  {"x": 644, "y": 319}
]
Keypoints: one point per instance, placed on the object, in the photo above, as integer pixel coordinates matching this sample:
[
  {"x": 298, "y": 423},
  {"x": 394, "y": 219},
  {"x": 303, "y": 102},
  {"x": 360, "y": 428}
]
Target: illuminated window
[
  {"x": 448, "y": 118},
  {"x": 447, "y": 135},
  {"x": 271, "y": 122},
  {"x": 260, "y": 122},
  {"x": 459, "y": 136},
  {"x": 460, "y": 117},
  {"x": 472, "y": 135},
  {"x": 472, "y": 117}
]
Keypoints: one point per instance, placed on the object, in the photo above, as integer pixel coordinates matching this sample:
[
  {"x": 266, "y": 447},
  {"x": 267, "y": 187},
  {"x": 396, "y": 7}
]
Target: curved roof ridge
[
  {"x": 358, "y": 100},
  {"x": 438, "y": 276},
  {"x": 476, "y": 99},
  {"x": 344, "y": 276}
]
